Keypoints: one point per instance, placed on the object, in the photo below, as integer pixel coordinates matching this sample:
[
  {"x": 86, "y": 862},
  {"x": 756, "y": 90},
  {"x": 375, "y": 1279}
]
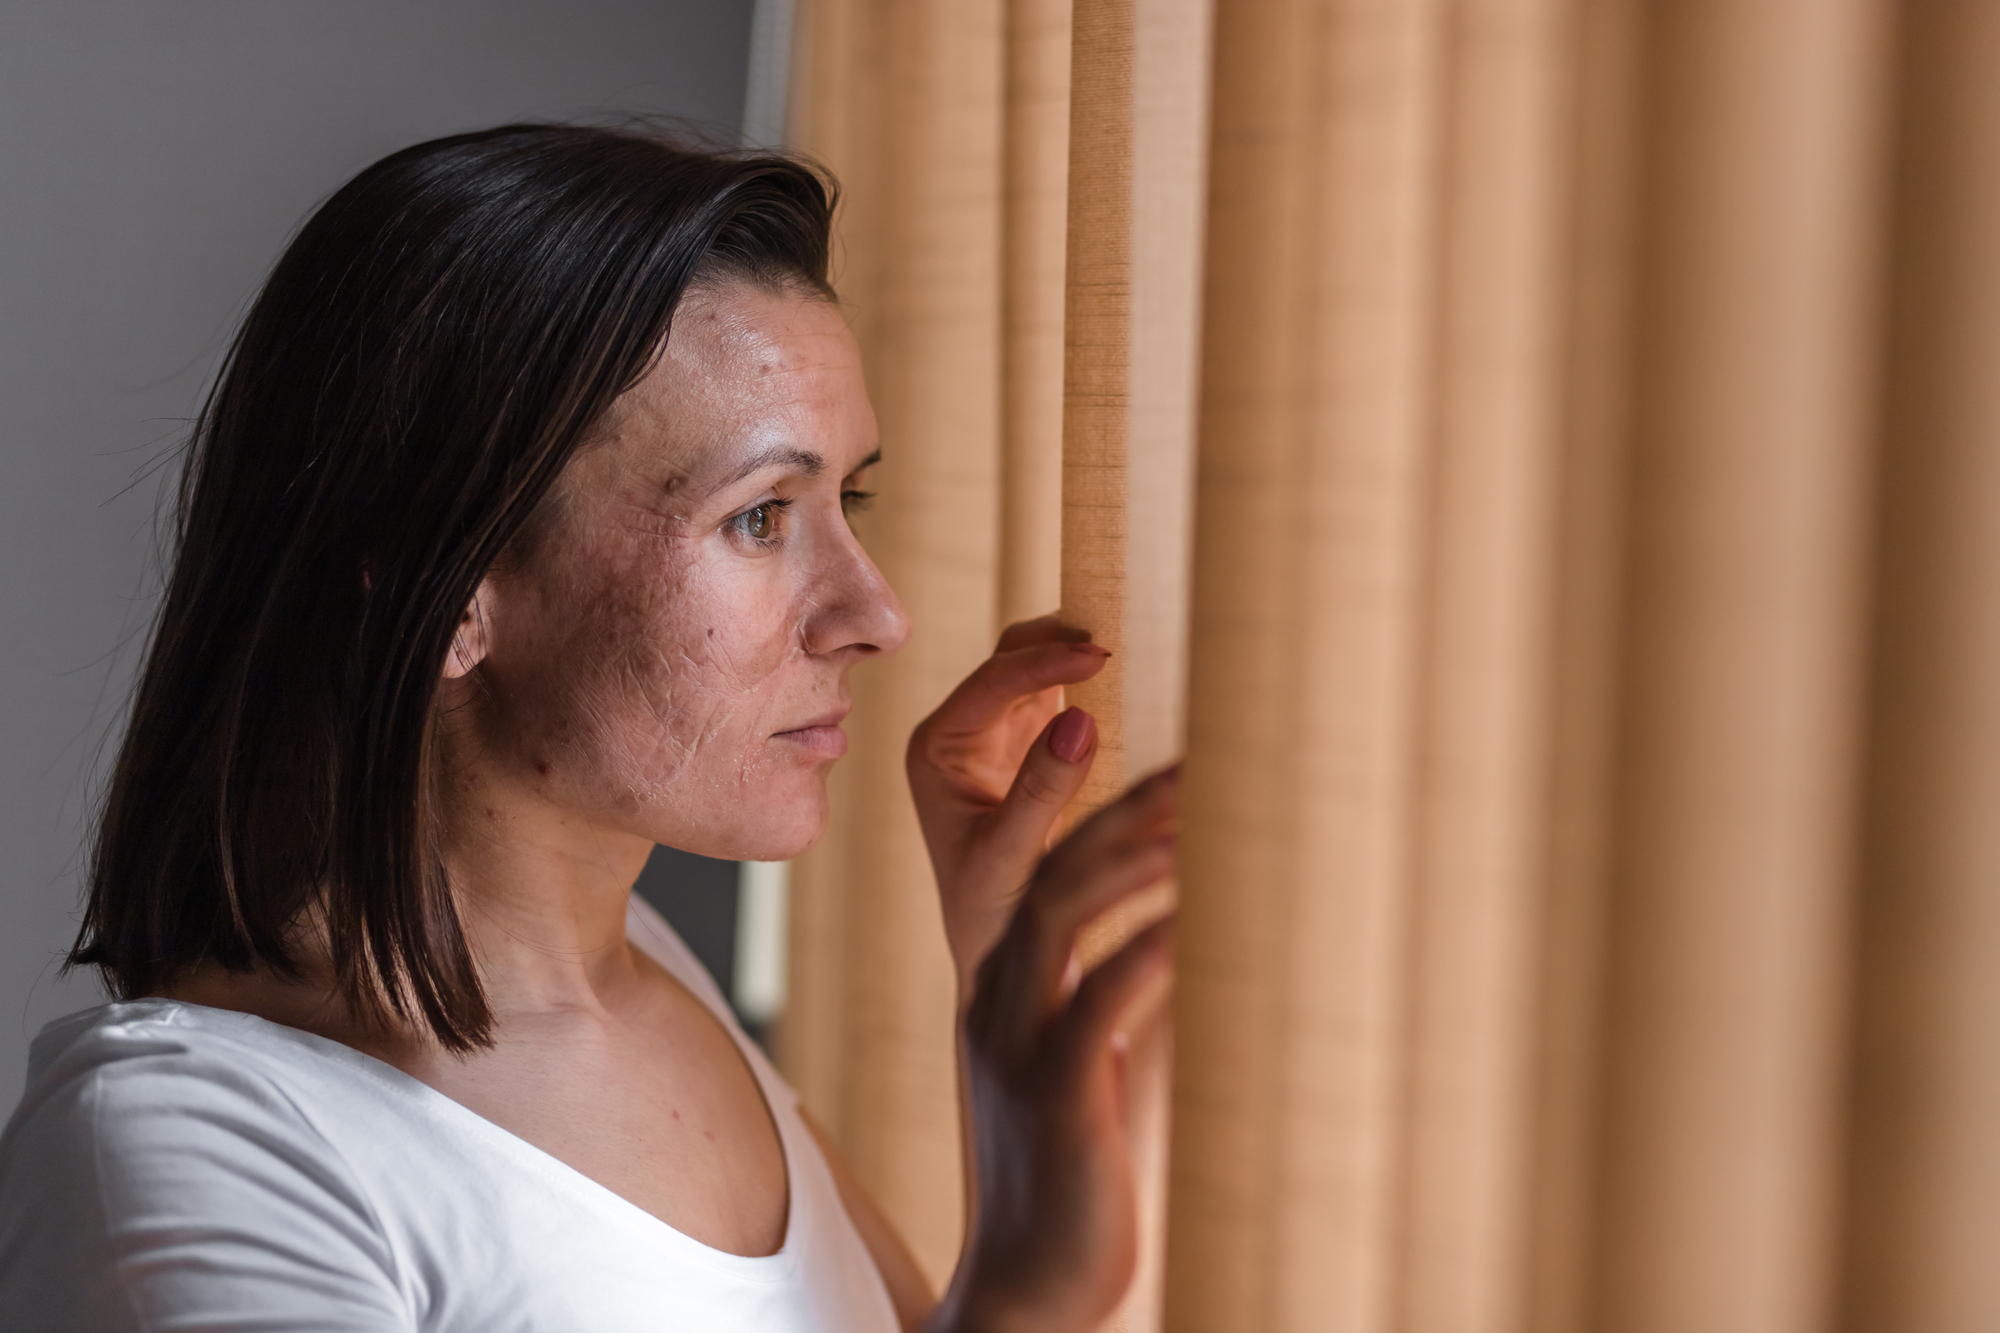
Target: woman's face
[{"x": 669, "y": 657}]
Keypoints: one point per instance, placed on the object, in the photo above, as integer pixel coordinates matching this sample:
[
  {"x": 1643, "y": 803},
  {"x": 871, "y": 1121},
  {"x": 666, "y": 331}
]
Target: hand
[
  {"x": 991, "y": 771},
  {"x": 1055, "y": 1232}
]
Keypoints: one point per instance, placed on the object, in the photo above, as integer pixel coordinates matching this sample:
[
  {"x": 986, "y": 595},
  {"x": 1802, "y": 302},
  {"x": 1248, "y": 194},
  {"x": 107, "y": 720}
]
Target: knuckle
[{"x": 1040, "y": 786}]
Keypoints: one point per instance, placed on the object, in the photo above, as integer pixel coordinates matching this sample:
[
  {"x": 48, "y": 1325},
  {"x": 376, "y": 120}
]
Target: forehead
[
  {"x": 743, "y": 369},
  {"x": 739, "y": 331}
]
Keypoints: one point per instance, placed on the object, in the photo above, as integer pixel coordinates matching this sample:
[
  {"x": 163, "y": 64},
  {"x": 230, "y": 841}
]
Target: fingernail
[
  {"x": 1093, "y": 649},
  {"x": 1072, "y": 735}
]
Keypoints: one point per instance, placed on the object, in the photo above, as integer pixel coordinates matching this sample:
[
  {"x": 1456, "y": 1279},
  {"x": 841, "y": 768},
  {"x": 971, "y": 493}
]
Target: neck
[{"x": 541, "y": 896}]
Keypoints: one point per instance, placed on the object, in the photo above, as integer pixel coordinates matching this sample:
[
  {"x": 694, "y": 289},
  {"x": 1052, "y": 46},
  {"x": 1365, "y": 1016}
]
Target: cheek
[{"x": 671, "y": 670}]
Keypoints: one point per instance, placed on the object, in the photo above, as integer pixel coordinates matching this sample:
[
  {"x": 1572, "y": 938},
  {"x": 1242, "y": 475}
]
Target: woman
[{"x": 512, "y": 542}]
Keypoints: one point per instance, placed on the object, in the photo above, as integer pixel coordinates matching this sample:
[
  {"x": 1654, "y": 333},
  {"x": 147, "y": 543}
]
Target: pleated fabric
[{"x": 1536, "y": 456}]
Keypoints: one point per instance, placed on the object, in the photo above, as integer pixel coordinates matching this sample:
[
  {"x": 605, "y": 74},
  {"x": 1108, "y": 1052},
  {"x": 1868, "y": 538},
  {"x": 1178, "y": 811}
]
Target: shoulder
[
  {"x": 156, "y": 1078},
  {"x": 158, "y": 1145}
]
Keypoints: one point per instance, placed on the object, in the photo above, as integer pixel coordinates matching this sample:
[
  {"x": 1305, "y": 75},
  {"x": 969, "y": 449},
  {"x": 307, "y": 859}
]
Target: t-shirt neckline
[{"x": 504, "y": 1142}]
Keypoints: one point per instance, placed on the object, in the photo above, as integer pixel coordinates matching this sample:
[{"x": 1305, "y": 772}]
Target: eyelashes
[{"x": 764, "y": 524}]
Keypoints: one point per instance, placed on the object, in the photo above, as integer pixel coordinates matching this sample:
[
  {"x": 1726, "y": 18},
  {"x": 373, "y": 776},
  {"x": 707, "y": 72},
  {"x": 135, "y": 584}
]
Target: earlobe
[{"x": 469, "y": 645}]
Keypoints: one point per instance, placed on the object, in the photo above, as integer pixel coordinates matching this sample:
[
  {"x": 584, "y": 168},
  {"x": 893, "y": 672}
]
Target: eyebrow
[
  {"x": 800, "y": 460},
  {"x": 785, "y": 455}
]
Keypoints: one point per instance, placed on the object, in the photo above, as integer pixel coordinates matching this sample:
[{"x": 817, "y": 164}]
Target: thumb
[{"x": 1049, "y": 778}]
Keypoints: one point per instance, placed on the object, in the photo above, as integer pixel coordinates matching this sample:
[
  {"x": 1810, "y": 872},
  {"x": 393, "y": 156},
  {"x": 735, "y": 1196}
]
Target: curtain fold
[
  {"x": 1924, "y": 1150},
  {"x": 1753, "y": 427}
]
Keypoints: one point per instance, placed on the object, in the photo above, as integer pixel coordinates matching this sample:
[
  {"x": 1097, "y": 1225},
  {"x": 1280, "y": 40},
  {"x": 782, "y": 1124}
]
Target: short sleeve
[{"x": 175, "y": 1190}]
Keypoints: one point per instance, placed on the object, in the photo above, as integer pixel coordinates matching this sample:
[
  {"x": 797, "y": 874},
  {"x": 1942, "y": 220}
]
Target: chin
[
  {"x": 793, "y": 834},
  {"x": 774, "y": 825}
]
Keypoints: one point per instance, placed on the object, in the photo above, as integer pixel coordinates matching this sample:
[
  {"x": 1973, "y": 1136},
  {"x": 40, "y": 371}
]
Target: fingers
[
  {"x": 1018, "y": 672},
  {"x": 1078, "y": 880},
  {"x": 1118, "y": 995},
  {"x": 1042, "y": 629},
  {"x": 1051, "y": 775},
  {"x": 1007, "y": 677},
  {"x": 1124, "y": 848}
]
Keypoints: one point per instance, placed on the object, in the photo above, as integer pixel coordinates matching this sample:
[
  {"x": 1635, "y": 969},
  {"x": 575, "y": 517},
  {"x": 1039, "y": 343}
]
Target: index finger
[
  {"x": 1051, "y": 628},
  {"x": 1002, "y": 680}
]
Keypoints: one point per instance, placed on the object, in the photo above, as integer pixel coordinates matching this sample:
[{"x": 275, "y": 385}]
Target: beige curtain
[
  {"x": 1592, "y": 694},
  {"x": 1581, "y": 382}
]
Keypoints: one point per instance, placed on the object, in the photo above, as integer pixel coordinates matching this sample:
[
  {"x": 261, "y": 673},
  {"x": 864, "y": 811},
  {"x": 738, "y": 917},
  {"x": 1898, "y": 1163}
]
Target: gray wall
[{"x": 154, "y": 156}]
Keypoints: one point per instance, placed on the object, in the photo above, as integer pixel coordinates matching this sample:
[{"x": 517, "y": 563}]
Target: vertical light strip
[
  {"x": 762, "y": 912},
  {"x": 1036, "y": 194},
  {"x": 1138, "y": 131},
  {"x": 767, "y": 89}
]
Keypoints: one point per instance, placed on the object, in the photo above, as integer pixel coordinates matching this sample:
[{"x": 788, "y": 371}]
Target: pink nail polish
[{"x": 1073, "y": 733}]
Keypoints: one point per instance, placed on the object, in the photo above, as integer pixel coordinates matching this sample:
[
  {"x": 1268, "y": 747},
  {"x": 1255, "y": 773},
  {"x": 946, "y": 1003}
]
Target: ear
[{"x": 469, "y": 646}]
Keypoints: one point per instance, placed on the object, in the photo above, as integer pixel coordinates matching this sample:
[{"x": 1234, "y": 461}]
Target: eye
[
  {"x": 852, "y": 502},
  {"x": 762, "y": 524}
]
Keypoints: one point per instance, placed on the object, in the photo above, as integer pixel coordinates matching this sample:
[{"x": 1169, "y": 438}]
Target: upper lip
[{"x": 832, "y": 717}]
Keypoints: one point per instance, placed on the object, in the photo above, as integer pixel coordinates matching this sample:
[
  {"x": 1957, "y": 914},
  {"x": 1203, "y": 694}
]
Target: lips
[
  {"x": 832, "y": 717},
  {"x": 820, "y": 736}
]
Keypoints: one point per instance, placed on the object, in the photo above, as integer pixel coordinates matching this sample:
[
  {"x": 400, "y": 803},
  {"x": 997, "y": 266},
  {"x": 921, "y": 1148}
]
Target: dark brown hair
[{"x": 419, "y": 367}]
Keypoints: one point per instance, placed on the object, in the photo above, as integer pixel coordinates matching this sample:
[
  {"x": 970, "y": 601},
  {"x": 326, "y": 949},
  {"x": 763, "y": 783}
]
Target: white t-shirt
[{"x": 177, "y": 1167}]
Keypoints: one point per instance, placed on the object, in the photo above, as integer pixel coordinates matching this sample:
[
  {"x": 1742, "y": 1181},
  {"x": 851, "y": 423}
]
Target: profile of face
[{"x": 667, "y": 654}]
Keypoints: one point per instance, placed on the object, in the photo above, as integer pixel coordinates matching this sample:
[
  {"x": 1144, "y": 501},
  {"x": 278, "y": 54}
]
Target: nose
[{"x": 853, "y": 606}]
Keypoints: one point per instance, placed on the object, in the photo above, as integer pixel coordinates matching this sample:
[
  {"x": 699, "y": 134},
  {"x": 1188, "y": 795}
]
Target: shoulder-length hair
[{"x": 421, "y": 364}]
